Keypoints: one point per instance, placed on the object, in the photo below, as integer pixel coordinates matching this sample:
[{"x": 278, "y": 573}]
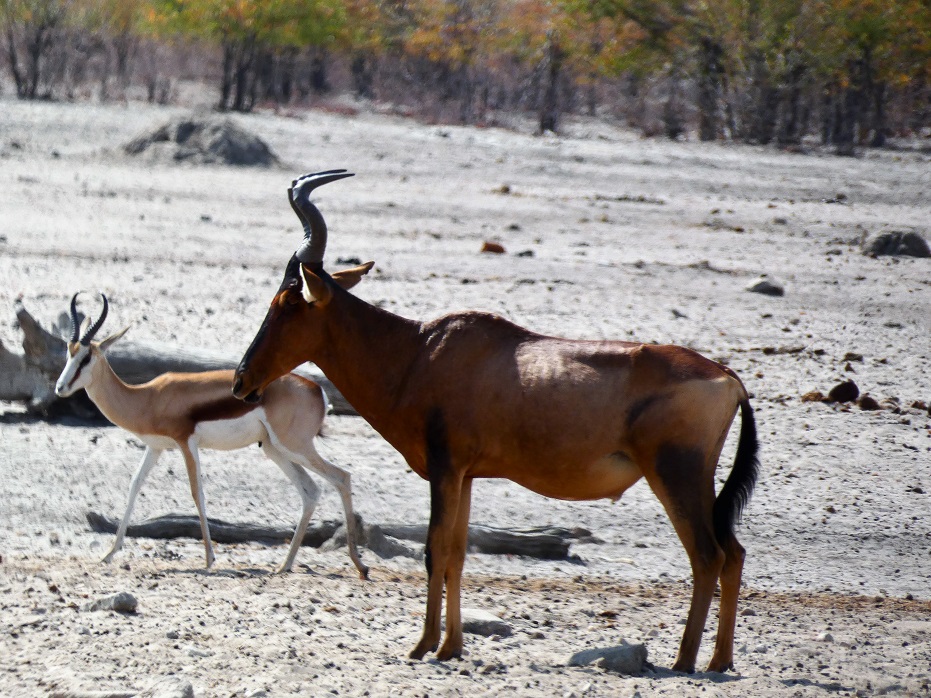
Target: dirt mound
[{"x": 203, "y": 139}]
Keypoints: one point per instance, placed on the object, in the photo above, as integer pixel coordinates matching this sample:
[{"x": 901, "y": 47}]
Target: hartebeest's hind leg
[
  {"x": 192, "y": 463},
  {"x": 723, "y": 657},
  {"x": 684, "y": 484},
  {"x": 145, "y": 466},
  {"x": 452, "y": 645}
]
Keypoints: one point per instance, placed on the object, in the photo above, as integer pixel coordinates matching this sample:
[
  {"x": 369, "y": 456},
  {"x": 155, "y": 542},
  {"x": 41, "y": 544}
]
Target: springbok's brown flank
[{"x": 472, "y": 395}]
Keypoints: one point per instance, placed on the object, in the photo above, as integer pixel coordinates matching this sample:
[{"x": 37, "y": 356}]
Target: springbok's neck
[
  {"x": 115, "y": 399},
  {"x": 368, "y": 354}
]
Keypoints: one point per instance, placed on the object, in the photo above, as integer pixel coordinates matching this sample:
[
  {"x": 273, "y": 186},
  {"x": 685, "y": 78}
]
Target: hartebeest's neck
[{"x": 368, "y": 354}]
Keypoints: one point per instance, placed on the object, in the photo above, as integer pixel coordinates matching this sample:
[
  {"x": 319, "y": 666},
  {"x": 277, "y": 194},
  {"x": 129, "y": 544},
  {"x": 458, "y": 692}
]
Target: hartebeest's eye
[{"x": 293, "y": 296}]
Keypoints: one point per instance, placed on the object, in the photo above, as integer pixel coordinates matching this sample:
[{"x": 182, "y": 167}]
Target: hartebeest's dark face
[{"x": 294, "y": 327}]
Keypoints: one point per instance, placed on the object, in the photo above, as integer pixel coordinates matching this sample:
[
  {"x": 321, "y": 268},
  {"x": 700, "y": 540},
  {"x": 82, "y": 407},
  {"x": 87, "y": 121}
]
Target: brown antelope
[
  {"x": 189, "y": 411},
  {"x": 472, "y": 395}
]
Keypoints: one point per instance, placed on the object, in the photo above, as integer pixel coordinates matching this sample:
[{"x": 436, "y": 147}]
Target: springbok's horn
[
  {"x": 74, "y": 318},
  {"x": 311, "y": 250},
  {"x": 93, "y": 329}
]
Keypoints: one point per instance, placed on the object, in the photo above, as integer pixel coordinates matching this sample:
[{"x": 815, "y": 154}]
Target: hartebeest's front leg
[
  {"x": 192, "y": 463},
  {"x": 452, "y": 645},
  {"x": 445, "y": 488},
  {"x": 148, "y": 460}
]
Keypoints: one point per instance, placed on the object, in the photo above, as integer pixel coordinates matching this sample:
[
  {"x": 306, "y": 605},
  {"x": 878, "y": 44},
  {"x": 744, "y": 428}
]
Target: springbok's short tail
[{"x": 736, "y": 492}]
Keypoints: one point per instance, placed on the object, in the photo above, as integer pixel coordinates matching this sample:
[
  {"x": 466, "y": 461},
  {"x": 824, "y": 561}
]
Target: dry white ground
[{"x": 628, "y": 238}]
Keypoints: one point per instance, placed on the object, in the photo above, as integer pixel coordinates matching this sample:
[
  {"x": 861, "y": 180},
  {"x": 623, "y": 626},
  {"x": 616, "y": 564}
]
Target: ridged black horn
[
  {"x": 93, "y": 329},
  {"x": 74, "y": 318},
  {"x": 311, "y": 250}
]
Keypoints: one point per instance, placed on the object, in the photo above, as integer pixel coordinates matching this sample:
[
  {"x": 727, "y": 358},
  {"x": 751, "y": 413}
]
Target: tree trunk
[
  {"x": 709, "y": 89},
  {"x": 552, "y": 71}
]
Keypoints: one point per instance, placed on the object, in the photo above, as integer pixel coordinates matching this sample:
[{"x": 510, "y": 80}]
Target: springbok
[
  {"x": 189, "y": 411},
  {"x": 472, "y": 395}
]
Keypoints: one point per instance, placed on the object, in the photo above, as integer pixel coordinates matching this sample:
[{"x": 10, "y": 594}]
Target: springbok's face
[
  {"x": 79, "y": 368},
  {"x": 288, "y": 336}
]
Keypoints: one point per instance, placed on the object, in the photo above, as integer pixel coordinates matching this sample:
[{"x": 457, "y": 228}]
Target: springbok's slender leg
[
  {"x": 310, "y": 495},
  {"x": 149, "y": 457},
  {"x": 341, "y": 480},
  {"x": 723, "y": 657},
  {"x": 452, "y": 644},
  {"x": 192, "y": 463},
  {"x": 680, "y": 481}
]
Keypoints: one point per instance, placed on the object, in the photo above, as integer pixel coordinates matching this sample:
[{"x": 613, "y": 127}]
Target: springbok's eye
[{"x": 86, "y": 360}]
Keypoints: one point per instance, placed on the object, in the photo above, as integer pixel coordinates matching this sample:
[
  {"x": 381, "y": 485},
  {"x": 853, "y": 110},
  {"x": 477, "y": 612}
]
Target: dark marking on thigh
[
  {"x": 680, "y": 469},
  {"x": 438, "y": 466}
]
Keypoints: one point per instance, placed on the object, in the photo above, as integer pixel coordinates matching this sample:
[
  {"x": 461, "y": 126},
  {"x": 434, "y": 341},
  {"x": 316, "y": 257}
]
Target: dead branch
[{"x": 549, "y": 543}]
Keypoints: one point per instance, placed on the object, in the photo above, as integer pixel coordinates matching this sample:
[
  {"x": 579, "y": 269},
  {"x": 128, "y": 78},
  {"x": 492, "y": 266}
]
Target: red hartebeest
[
  {"x": 472, "y": 395},
  {"x": 189, "y": 411}
]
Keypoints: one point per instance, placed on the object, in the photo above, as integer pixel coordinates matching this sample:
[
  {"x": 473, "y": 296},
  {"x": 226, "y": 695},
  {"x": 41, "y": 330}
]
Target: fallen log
[
  {"x": 549, "y": 543},
  {"x": 30, "y": 377},
  {"x": 173, "y": 526}
]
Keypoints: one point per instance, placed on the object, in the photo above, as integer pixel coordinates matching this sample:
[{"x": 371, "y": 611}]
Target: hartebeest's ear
[
  {"x": 347, "y": 278},
  {"x": 314, "y": 289},
  {"x": 105, "y": 344}
]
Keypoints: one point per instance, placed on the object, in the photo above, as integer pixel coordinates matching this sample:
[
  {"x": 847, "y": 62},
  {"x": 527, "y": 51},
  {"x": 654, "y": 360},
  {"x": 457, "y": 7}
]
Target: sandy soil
[{"x": 627, "y": 238}]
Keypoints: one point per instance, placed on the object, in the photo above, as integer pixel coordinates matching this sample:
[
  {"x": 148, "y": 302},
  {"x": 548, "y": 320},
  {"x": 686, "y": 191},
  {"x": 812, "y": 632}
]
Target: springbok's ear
[
  {"x": 347, "y": 278},
  {"x": 105, "y": 344},
  {"x": 314, "y": 288}
]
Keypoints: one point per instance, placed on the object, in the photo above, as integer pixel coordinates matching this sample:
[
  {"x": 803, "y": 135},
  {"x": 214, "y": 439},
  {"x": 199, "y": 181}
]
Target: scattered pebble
[
  {"x": 846, "y": 391},
  {"x": 767, "y": 286},
  {"x": 492, "y": 247},
  {"x": 479, "y": 622},
  {"x": 122, "y": 602}
]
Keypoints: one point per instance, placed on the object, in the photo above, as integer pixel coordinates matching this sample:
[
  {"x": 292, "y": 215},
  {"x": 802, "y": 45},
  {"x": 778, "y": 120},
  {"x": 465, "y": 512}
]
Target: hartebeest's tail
[{"x": 739, "y": 485}]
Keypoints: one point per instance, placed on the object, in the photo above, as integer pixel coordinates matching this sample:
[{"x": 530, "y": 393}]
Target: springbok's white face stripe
[{"x": 77, "y": 372}]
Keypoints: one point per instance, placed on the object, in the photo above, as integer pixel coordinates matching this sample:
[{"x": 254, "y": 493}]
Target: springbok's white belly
[
  {"x": 159, "y": 443},
  {"x": 230, "y": 434}
]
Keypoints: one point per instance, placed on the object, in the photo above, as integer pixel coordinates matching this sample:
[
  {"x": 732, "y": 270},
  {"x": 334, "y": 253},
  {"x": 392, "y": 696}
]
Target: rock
[
  {"x": 902, "y": 243},
  {"x": 479, "y": 622},
  {"x": 169, "y": 688},
  {"x": 492, "y": 247},
  {"x": 387, "y": 547},
  {"x": 199, "y": 652},
  {"x": 767, "y": 286},
  {"x": 867, "y": 402},
  {"x": 748, "y": 612},
  {"x": 203, "y": 139},
  {"x": 814, "y": 396},
  {"x": 825, "y": 637},
  {"x": 844, "y": 392},
  {"x": 622, "y": 659},
  {"x": 123, "y": 602}
]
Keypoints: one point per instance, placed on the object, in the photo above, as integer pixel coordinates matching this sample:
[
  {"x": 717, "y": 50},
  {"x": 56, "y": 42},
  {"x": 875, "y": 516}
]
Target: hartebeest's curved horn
[
  {"x": 93, "y": 329},
  {"x": 74, "y": 318},
  {"x": 311, "y": 250}
]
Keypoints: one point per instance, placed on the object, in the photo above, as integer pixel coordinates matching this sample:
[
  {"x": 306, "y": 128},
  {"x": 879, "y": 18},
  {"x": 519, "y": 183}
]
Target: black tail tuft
[{"x": 739, "y": 485}]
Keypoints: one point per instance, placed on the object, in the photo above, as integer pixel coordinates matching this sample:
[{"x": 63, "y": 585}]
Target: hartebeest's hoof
[
  {"x": 721, "y": 665},
  {"x": 449, "y": 650},
  {"x": 422, "y": 648},
  {"x": 684, "y": 667}
]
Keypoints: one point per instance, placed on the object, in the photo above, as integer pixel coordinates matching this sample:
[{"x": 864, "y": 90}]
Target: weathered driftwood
[
  {"x": 30, "y": 377},
  {"x": 180, "y": 526},
  {"x": 550, "y": 543}
]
